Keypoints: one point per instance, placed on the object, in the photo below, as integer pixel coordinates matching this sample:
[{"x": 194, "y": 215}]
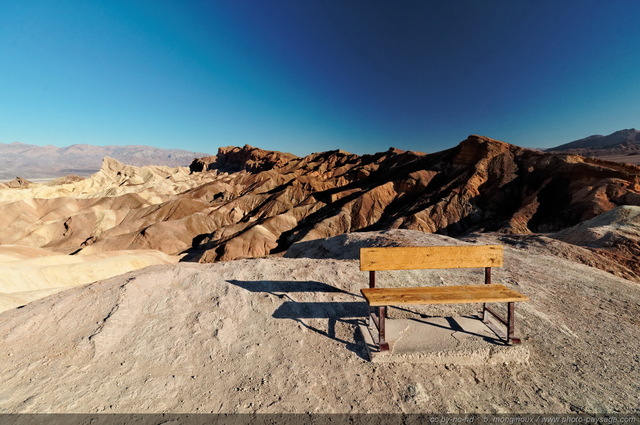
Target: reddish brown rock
[
  {"x": 232, "y": 159},
  {"x": 482, "y": 184}
]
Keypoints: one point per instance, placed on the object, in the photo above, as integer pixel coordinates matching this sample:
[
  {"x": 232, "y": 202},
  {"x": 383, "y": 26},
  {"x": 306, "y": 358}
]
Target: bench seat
[{"x": 452, "y": 294}]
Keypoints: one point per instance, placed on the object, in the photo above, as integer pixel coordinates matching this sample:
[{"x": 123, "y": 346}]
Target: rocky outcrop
[
  {"x": 233, "y": 159},
  {"x": 614, "y": 234},
  {"x": 250, "y": 159},
  {"x": 253, "y": 202},
  {"x": 481, "y": 185},
  {"x": 202, "y": 164},
  {"x": 279, "y": 336}
]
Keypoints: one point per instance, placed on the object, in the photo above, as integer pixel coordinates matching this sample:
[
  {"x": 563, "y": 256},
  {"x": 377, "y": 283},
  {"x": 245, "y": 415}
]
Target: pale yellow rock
[{"x": 27, "y": 274}]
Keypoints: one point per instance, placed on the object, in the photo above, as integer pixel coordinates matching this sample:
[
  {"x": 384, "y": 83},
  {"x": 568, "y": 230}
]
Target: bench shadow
[
  {"x": 285, "y": 286},
  {"x": 348, "y": 312},
  {"x": 455, "y": 326}
]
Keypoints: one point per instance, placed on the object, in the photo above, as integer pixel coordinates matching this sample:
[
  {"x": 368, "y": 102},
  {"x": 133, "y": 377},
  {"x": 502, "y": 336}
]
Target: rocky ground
[{"x": 279, "y": 335}]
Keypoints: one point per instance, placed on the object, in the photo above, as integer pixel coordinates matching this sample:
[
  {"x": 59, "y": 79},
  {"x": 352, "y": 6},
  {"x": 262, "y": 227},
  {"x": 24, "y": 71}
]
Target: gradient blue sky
[{"x": 306, "y": 76}]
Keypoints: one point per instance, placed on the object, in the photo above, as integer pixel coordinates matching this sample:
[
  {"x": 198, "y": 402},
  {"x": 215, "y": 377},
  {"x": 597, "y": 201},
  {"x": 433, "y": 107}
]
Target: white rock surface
[{"x": 621, "y": 223}]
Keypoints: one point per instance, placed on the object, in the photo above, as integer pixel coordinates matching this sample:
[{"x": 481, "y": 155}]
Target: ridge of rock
[{"x": 111, "y": 164}]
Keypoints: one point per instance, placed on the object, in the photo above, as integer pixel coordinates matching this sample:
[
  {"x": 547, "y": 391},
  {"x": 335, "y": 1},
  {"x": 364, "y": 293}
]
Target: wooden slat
[
  {"x": 452, "y": 294},
  {"x": 430, "y": 257}
]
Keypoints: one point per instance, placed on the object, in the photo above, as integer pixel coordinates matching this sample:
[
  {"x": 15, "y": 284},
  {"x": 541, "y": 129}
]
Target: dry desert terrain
[{"x": 280, "y": 334}]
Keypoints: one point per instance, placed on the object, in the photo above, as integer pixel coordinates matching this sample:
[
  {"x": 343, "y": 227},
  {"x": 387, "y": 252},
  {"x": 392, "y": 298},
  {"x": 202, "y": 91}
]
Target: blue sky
[{"x": 306, "y": 76}]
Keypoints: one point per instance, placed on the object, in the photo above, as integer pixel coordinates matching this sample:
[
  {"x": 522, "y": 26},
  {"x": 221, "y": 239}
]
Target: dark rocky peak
[{"x": 246, "y": 158}]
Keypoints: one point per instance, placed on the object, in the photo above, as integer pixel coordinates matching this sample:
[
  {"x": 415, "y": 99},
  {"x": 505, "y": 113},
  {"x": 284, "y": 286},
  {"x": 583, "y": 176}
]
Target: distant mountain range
[
  {"x": 38, "y": 162},
  {"x": 621, "y": 146}
]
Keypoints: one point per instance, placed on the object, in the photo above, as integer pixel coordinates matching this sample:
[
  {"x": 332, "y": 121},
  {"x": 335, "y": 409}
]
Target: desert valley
[{"x": 232, "y": 285}]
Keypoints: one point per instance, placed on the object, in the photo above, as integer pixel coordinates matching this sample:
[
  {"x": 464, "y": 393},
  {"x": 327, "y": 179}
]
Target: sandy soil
[{"x": 279, "y": 335}]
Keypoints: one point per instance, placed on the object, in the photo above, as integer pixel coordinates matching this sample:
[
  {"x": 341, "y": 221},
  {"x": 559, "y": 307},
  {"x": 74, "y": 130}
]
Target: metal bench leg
[
  {"x": 511, "y": 316},
  {"x": 382, "y": 315},
  {"x": 487, "y": 281},
  {"x": 509, "y": 322}
]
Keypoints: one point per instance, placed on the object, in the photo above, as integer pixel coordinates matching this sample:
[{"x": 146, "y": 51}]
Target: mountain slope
[
  {"x": 621, "y": 138},
  {"x": 621, "y": 146},
  {"x": 247, "y": 202}
]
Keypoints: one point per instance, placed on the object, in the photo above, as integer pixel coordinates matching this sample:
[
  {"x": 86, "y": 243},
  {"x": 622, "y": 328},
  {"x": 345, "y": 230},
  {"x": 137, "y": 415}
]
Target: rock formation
[
  {"x": 29, "y": 274},
  {"x": 614, "y": 234},
  {"x": 225, "y": 337},
  {"x": 482, "y": 184},
  {"x": 247, "y": 202},
  {"x": 18, "y": 182},
  {"x": 247, "y": 158}
]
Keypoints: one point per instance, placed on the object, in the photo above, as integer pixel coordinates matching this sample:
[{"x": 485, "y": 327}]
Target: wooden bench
[{"x": 438, "y": 257}]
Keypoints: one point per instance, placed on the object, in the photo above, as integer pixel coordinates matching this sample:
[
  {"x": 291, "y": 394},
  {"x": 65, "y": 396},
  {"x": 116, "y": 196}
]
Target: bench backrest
[{"x": 430, "y": 257}]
